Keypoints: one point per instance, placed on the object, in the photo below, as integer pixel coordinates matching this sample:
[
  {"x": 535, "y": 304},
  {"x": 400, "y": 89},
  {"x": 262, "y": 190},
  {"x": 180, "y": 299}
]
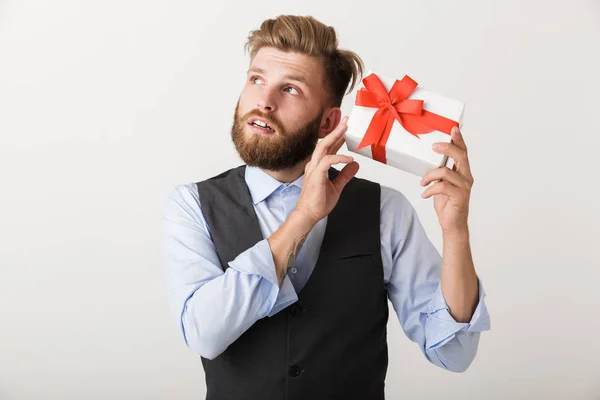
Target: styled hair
[{"x": 306, "y": 35}]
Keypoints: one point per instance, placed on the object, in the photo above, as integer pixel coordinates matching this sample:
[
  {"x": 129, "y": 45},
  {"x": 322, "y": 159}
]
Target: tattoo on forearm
[{"x": 297, "y": 246}]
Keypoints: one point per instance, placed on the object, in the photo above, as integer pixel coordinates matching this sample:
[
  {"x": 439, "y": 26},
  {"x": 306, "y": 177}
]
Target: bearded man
[{"x": 279, "y": 271}]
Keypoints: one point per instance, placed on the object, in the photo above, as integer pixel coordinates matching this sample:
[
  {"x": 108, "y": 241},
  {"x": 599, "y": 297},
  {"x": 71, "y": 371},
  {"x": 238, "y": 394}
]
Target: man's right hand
[{"x": 319, "y": 195}]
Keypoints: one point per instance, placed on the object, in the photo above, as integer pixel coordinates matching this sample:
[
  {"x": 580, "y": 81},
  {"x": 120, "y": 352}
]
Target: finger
[
  {"x": 337, "y": 146},
  {"x": 459, "y": 156},
  {"x": 457, "y": 139},
  {"x": 332, "y": 159},
  {"x": 446, "y": 174},
  {"x": 451, "y": 150},
  {"x": 443, "y": 187},
  {"x": 314, "y": 161},
  {"x": 323, "y": 146},
  {"x": 335, "y": 137},
  {"x": 332, "y": 150},
  {"x": 345, "y": 175}
]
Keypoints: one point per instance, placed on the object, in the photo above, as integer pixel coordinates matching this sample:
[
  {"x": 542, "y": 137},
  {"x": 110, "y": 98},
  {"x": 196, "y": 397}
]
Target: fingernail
[
  {"x": 455, "y": 131},
  {"x": 435, "y": 146}
]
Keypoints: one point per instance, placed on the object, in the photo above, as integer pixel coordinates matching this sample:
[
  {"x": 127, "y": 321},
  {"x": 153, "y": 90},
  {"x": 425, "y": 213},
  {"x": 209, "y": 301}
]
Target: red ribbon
[{"x": 395, "y": 105}]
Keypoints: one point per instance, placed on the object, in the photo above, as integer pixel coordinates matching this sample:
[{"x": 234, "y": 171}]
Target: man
[{"x": 279, "y": 271}]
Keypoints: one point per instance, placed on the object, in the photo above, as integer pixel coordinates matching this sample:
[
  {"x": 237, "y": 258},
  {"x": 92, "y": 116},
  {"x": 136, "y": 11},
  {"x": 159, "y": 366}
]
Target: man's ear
[{"x": 330, "y": 120}]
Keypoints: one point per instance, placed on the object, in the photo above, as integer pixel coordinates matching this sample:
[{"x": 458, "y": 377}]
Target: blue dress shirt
[{"x": 213, "y": 308}]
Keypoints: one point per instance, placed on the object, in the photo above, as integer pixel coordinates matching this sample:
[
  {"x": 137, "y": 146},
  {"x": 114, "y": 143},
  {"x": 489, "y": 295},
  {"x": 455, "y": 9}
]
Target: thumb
[{"x": 345, "y": 175}]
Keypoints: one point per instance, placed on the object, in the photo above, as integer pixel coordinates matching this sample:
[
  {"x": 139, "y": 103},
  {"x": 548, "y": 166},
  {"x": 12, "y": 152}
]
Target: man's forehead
[{"x": 289, "y": 64}]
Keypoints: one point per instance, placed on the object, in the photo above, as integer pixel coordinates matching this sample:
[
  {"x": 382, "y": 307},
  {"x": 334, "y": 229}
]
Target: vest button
[
  {"x": 295, "y": 310},
  {"x": 294, "y": 371}
]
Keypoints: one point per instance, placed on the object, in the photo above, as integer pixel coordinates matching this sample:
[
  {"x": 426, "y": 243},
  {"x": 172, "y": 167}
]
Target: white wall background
[{"x": 104, "y": 106}]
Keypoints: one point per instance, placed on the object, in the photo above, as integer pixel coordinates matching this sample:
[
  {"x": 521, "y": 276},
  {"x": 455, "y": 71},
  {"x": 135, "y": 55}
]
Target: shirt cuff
[
  {"x": 287, "y": 295},
  {"x": 258, "y": 260},
  {"x": 442, "y": 327}
]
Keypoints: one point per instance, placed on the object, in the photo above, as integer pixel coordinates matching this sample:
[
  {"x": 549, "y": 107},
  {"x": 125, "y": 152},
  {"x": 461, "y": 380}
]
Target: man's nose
[{"x": 267, "y": 102}]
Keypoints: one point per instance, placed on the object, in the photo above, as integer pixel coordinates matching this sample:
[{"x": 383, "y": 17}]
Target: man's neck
[{"x": 290, "y": 174}]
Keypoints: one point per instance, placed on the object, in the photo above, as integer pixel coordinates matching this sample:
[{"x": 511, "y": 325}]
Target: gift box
[{"x": 396, "y": 122}]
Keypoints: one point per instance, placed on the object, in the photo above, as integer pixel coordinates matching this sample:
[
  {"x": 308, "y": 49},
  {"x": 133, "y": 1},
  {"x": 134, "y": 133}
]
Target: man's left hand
[{"x": 452, "y": 192}]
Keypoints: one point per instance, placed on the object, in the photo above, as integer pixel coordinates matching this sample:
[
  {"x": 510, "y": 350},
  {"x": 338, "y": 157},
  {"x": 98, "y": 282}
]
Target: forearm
[
  {"x": 458, "y": 278},
  {"x": 287, "y": 242},
  {"x": 222, "y": 309},
  {"x": 214, "y": 307}
]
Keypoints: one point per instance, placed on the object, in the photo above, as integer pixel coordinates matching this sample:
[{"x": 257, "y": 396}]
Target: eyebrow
[{"x": 291, "y": 77}]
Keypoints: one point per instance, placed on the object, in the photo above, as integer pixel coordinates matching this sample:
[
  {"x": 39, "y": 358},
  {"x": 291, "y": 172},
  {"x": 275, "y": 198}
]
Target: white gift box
[{"x": 403, "y": 149}]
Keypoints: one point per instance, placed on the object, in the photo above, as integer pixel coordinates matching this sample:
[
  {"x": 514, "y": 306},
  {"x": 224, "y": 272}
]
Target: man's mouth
[{"x": 262, "y": 125}]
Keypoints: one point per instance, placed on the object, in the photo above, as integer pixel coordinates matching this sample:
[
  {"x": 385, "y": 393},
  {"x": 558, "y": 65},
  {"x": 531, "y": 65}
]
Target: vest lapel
[{"x": 230, "y": 197}]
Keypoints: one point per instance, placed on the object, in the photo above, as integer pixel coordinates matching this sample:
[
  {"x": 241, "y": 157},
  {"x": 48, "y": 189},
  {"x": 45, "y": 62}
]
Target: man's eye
[
  {"x": 291, "y": 88},
  {"x": 254, "y": 79}
]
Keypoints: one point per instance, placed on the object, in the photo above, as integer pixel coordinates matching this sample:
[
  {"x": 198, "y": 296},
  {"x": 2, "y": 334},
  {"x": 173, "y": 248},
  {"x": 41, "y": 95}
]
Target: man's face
[{"x": 284, "y": 91}]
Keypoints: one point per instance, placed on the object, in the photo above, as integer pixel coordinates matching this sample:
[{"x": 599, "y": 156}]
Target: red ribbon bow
[{"x": 395, "y": 105}]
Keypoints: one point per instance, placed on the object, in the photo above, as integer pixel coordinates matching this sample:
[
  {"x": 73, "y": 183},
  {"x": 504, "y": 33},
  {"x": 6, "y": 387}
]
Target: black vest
[{"x": 332, "y": 343}]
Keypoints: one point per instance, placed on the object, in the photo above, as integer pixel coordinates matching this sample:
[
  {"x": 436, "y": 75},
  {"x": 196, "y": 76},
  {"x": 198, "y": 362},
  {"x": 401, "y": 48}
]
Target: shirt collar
[{"x": 262, "y": 185}]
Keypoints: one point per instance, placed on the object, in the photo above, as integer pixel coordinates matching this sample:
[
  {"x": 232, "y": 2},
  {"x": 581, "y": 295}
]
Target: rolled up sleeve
[
  {"x": 214, "y": 307},
  {"x": 412, "y": 267}
]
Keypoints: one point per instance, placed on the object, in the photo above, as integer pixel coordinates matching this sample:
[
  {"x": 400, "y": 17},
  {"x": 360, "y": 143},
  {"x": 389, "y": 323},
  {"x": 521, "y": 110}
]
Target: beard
[{"x": 278, "y": 151}]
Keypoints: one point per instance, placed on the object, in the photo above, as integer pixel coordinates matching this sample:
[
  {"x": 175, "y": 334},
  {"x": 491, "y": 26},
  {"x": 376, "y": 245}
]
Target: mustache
[{"x": 273, "y": 122}]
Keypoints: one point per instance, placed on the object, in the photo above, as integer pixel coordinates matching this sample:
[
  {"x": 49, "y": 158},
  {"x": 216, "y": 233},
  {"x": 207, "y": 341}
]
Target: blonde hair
[{"x": 307, "y": 35}]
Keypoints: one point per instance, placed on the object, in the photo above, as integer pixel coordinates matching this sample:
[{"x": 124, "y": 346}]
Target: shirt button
[
  {"x": 295, "y": 310},
  {"x": 294, "y": 270},
  {"x": 294, "y": 371}
]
